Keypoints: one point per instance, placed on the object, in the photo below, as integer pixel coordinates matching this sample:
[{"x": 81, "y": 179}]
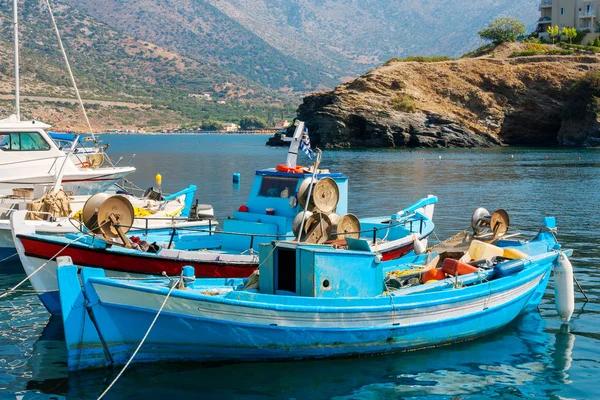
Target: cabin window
[
  {"x": 286, "y": 270},
  {"x": 278, "y": 186},
  {"x": 23, "y": 141}
]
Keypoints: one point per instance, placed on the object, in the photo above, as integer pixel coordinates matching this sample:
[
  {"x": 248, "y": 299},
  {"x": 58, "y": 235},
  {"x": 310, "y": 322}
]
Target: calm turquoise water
[{"x": 534, "y": 356}]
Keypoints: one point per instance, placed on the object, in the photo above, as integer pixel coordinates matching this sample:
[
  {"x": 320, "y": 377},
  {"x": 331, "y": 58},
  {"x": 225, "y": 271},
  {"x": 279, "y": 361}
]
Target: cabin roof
[
  {"x": 12, "y": 123},
  {"x": 274, "y": 172}
]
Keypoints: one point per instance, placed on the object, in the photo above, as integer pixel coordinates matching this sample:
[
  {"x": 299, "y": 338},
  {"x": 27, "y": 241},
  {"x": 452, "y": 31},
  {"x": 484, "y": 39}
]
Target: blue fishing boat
[
  {"x": 308, "y": 301},
  {"x": 288, "y": 202}
]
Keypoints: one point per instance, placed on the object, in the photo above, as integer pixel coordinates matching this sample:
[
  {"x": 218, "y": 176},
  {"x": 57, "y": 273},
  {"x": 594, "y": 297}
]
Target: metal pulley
[
  {"x": 298, "y": 221},
  {"x": 495, "y": 225},
  {"x": 95, "y": 160},
  {"x": 317, "y": 229},
  {"x": 348, "y": 227},
  {"x": 325, "y": 195},
  {"x": 108, "y": 215}
]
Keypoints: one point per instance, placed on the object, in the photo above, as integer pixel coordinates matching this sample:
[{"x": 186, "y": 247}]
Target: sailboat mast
[{"x": 16, "y": 38}]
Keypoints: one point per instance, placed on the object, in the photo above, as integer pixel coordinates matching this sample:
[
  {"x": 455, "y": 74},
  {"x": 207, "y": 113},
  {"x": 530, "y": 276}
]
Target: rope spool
[
  {"x": 95, "y": 160},
  {"x": 326, "y": 195},
  {"x": 102, "y": 210},
  {"x": 348, "y": 223},
  {"x": 318, "y": 229},
  {"x": 298, "y": 221},
  {"x": 303, "y": 194},
  {"x": 484, "y": 223}
]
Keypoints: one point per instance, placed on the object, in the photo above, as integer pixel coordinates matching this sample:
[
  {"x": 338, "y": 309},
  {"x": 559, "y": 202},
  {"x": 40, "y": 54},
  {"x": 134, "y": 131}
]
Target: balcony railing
[
  {"x": 545, "y": 3},
  {"x": 545, "y": 20},
  {"x": 591, "y": 13}
]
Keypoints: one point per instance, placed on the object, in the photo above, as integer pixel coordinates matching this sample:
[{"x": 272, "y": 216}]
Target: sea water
[{"x": 534, "y": 356}]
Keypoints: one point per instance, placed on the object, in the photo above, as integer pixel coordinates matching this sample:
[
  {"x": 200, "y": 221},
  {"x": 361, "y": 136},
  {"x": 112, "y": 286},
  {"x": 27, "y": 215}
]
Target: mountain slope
[
  {"x": 300, "y": 44},
  {"x": 106, "y": 63},
  {"x": 199, "y": 30},
  {"x": 350, "y": 36}
]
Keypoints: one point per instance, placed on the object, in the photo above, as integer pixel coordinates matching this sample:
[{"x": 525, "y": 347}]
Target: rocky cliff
[{"x": 471, "y": 102}]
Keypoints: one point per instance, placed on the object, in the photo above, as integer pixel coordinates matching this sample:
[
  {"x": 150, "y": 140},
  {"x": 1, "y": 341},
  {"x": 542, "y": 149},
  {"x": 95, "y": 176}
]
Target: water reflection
[
  {"x": 516, "y": 360},
  {"x": 563, "y": 351},
  {"x": 533, "y": 356}
]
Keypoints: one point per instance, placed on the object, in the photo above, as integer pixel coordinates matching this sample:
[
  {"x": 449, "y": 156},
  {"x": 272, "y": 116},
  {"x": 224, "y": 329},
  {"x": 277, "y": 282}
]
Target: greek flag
[{"x": 305, "y": 144}]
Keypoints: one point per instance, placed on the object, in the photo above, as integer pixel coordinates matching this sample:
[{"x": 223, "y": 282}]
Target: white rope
[
  {"x": 64, "y": 53},
  {"x": 141, "y": 343},
  {"x": 7, "y": 292},
  {"x": 9, "y": 257}
]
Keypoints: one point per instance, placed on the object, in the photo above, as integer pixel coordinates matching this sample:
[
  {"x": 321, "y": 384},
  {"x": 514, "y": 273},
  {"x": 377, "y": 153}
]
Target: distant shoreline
[{"x": 260, "y": 132}]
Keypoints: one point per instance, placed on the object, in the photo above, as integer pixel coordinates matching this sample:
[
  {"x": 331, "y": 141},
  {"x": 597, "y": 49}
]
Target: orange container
[
  {"x": 433, "y": 274},
  {"x": 452, "y": 267}
]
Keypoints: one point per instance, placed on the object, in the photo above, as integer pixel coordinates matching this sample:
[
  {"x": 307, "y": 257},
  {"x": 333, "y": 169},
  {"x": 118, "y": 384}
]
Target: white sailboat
[{"x": 29, "y": 158}]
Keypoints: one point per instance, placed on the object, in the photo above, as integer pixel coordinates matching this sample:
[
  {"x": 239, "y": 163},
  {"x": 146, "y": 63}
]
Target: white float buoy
[
  {"x": 564, "y": 293},
  {"x": 418, "y": 246}
]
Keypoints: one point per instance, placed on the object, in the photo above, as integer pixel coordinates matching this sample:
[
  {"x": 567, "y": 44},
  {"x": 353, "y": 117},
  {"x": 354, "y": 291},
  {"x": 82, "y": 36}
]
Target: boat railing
[
  {"x": 409, "y": 222},
  {"x": 210, "y": 231}
]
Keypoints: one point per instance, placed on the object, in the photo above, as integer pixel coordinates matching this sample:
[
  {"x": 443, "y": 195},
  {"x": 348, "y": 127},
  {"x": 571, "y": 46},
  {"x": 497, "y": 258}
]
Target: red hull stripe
[
  {"x": 139, "y": 264},
  {"x": 397, "y": 253}
]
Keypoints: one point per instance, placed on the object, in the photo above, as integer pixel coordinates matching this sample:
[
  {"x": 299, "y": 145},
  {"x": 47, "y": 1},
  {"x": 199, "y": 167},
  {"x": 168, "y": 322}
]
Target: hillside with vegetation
[
  {"x": 302, "y": 44},
  {"x": 115, "y": 67},
  {"x": 199, "y": 30}
]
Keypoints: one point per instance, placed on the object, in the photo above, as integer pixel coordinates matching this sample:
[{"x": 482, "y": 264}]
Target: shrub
[
  {"x": 404, "y": 103},
  {"x": 252, "y": 122},
  {"x": 579, "y": 37},
  {"x": 554, "y": 52},
  {"x": 211, "y": 125},
  {"x": 582, "y": 96},
  {"x": 578, "y": 47},
  {"x": 503, "y": 30},
  {"x": 423, "y": 59},
  {"x": 480, "y": 51},
  {"x": 537, "y": 47}
]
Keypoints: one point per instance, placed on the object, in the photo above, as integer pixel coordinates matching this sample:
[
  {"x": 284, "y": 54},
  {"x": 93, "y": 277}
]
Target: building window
[{"x": 562, "y": 11}]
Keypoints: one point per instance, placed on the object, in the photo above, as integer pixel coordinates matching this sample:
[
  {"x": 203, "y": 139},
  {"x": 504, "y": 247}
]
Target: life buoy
[
  {"x": 84, "y": 164},
  {"x": 298, "y": 169}
]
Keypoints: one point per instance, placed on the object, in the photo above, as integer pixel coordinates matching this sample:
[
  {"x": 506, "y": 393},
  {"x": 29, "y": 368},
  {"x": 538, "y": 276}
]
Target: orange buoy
[
  {"x": 298, "y": 169},
  {"x": 433, "y": 274},
  {"x": 452, "y": 267}
]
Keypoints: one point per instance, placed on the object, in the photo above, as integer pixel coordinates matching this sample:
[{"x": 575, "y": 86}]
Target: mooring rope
[
  {"x": 7, "y": 292},
  {"x": 141, "y": 343},
  {"x": 9, "y": 257}
]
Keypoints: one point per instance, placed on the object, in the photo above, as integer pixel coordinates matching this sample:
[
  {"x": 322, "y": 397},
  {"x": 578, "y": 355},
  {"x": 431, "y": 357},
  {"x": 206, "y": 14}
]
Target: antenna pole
[{"x": 16, "y": 39}]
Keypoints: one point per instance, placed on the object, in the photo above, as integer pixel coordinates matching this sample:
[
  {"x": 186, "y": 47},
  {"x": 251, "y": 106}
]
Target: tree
[
  {"x": 252, "y": 122},
  {"x": 569, "y": 32},
  {"x": 210, "y": 125},
  {"x": 503, "y": 30},
  {"x": 553, "y": 32}
]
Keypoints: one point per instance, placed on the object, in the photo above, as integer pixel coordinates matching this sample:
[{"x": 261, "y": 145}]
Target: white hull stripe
[{"x": 235, "y": 313}]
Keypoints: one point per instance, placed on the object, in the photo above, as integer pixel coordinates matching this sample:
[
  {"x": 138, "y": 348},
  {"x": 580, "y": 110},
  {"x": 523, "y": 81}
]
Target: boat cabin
[
  {"x": 289, "y": 268},
  {"x": 271, "y": 208}
]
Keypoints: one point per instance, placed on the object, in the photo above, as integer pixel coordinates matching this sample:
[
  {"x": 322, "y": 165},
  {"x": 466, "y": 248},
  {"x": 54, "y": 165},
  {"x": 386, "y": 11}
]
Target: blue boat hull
[{"x": 218, "y": 337}]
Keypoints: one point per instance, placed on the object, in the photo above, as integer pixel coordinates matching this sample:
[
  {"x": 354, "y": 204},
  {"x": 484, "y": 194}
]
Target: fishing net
[{"x": 50, "y": 205}]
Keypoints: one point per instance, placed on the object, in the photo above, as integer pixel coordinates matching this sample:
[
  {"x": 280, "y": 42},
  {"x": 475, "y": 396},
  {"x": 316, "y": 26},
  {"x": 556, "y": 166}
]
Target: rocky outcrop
[{"x": 470, "y": 102}]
